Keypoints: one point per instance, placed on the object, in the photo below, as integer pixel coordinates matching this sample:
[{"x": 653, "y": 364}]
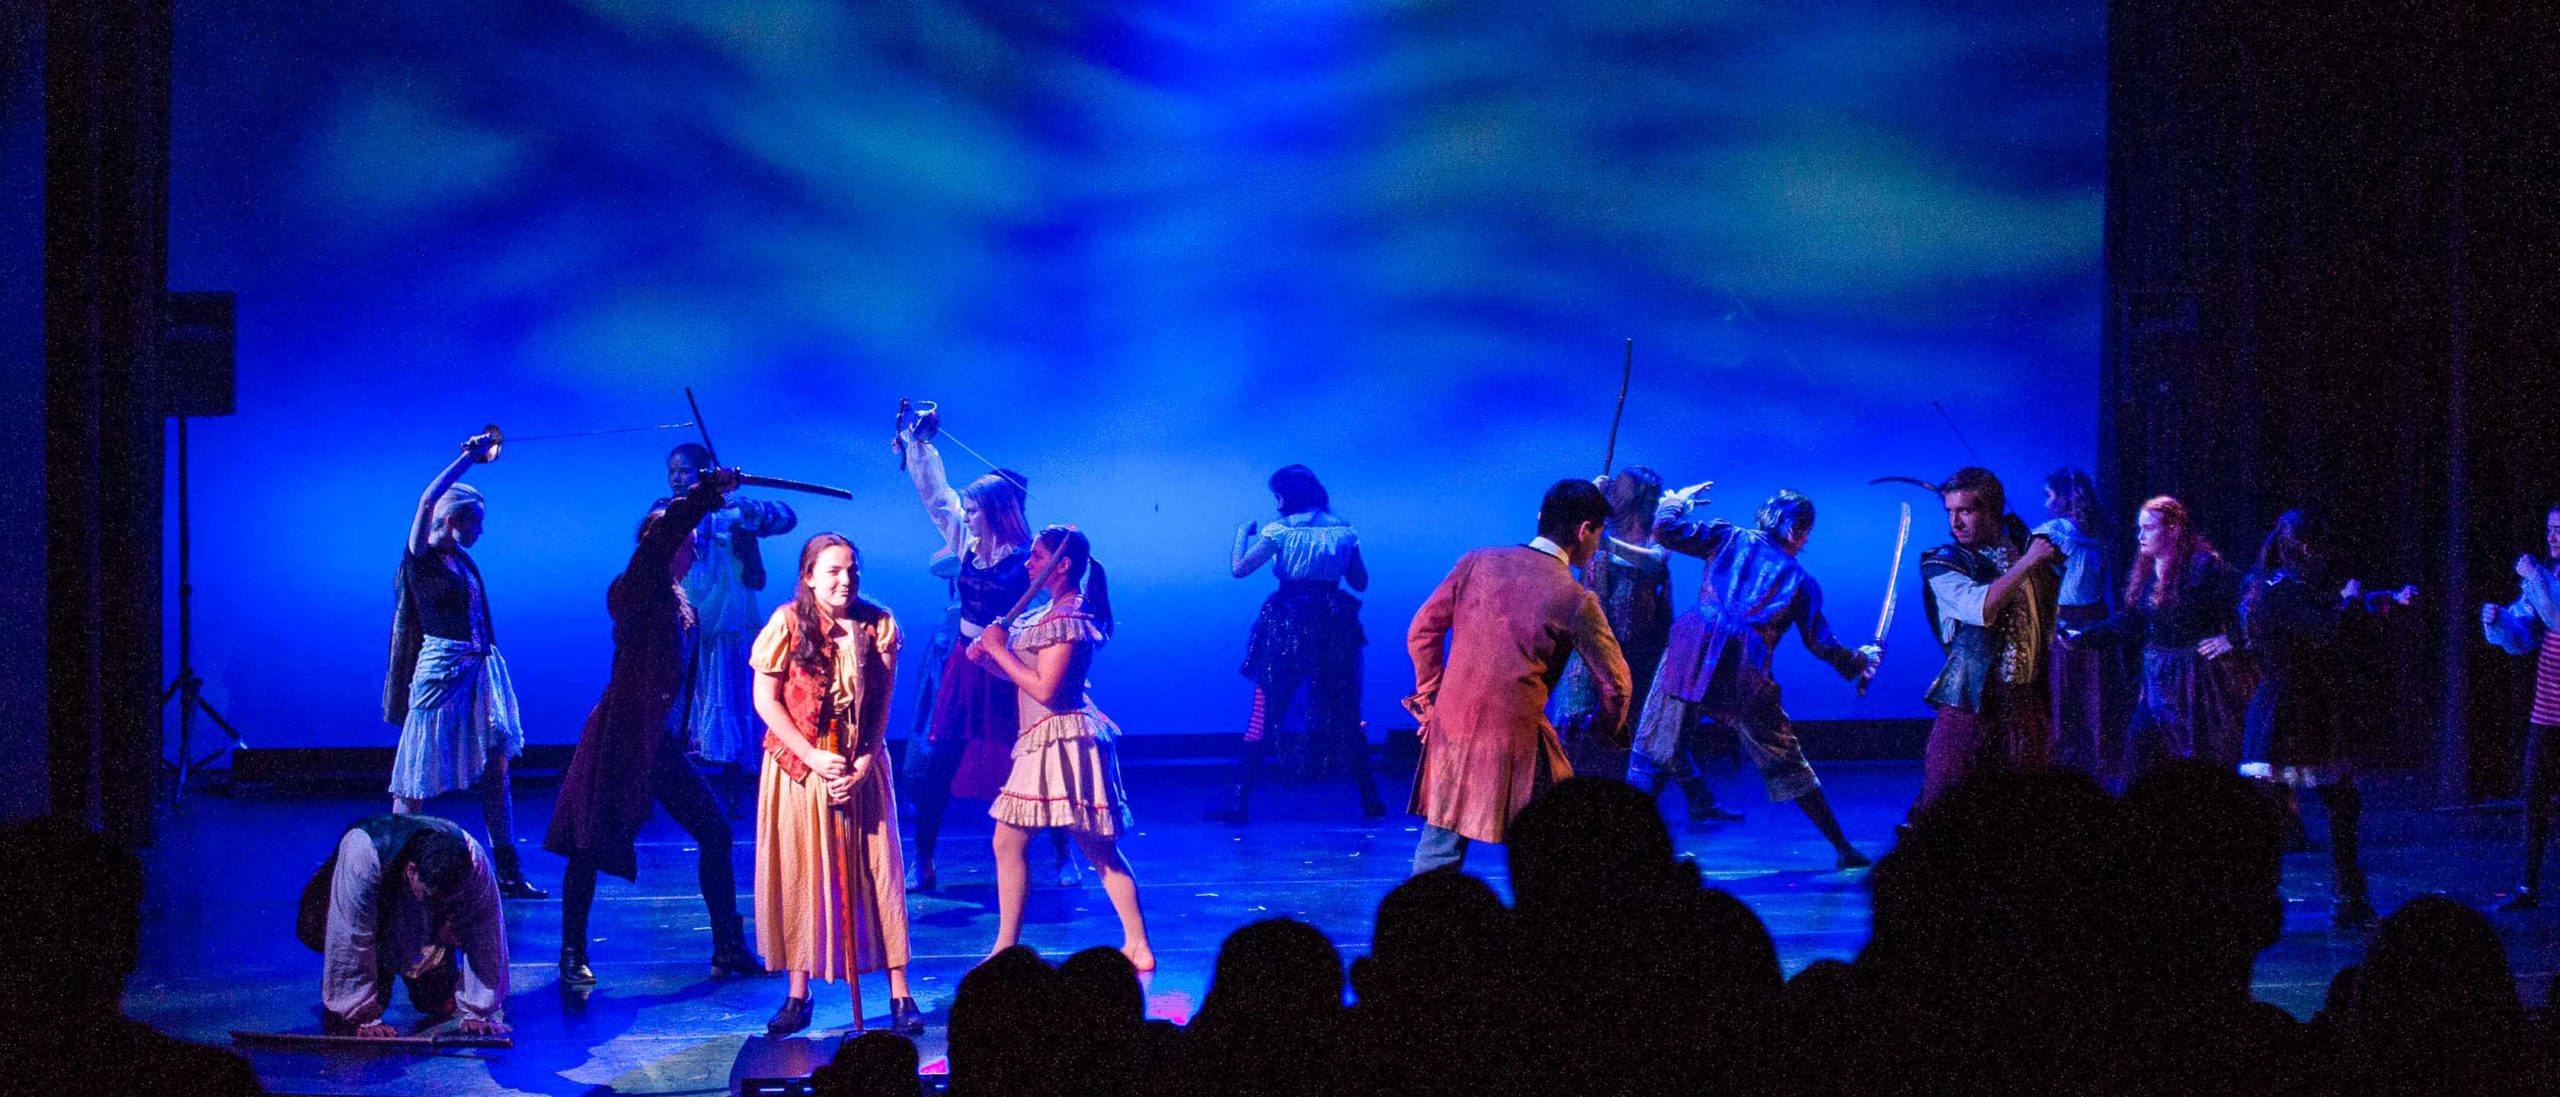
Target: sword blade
[
  {"x": 1893, "y": 578},
  {"x": 781, "y": 484}
]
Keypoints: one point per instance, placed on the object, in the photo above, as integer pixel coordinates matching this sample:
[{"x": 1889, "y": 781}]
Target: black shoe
[
  {"x": 734, "y": 958},
  {"x": 904, "y": 1018},
  {"x": 2524, "y": 899},
  {"x": 920, "y": 877},
  {"x": 1233, "y": 810},
  {"x": 1370, "y": 806},
  {"x": 517, "y": 887},
  {"x": 1713, "y": 813},
  {"x": 574, "y": 971},
  {"x": 791, "y": 1018},
  {"x": 1850, "y": 858},
  {"x": 1070, "y": 874},
  {"x": 2353, "y": 912}
]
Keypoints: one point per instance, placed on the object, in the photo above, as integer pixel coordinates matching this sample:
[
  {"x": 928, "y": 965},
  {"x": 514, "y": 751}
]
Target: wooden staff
[{"x": 319, "y": 1040}]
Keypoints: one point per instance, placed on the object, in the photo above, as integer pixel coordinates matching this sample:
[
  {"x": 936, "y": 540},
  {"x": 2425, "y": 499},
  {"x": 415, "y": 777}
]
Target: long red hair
[{"x": 2159, "y": 572}]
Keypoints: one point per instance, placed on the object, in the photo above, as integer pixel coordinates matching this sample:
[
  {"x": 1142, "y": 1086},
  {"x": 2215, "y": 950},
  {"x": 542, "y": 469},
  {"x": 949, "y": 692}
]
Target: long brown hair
[
  {"x": 2184, "y": 547},
  {"x": 809, "y": 650},
  {"x": 1000, "y": 497}
]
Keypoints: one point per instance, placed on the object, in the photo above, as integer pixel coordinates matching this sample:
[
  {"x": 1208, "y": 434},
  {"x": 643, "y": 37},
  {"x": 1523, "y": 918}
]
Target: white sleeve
[
  {"x": 481, "y": 928},
  {"x": 350, "y": 975},
  {"x": 1959, "y": 601}
]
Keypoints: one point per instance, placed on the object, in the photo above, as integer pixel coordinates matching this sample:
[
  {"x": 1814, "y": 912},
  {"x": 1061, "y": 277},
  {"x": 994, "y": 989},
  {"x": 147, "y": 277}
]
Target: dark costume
[
  {"x": 1717, "y": 665},
  {"x": 1307, "y": 636},
  {"x": 2088, "y": 680},
  {"x": 1633, "y": 583},
  {"x": 630, "y": 754},
  {"x": 2188, "y": 705},
  {"x": 1990, "y": 695},
  {"x": 2294, "y": 734}
]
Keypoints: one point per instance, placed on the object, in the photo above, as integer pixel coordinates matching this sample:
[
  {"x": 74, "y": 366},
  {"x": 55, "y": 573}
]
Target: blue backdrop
[{"x": 1145, "y": 253}]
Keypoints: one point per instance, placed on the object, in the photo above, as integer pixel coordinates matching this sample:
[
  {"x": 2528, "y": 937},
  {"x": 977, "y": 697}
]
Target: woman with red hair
[{"x": 2182, "y": 602}]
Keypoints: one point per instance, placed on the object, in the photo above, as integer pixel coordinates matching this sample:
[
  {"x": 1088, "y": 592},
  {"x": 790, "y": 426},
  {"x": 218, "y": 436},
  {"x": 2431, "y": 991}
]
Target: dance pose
[
  {"x": 2088, "y": 680},
  {"x": 1066, "y": 760},
  {"x": 727, "y": 571},
  {"x": 631, "y": 753},
  {"x": 1716, "y": 669},
  {"x": 2182, "y": 603},
  {"x": 1631, "y": 575},
  {"x": 2531, "y": 625},
  {"x": 828, "y": 871},
  {"x": 1487, "y": 647},
  {"x": 1307, "y": 635},
  {"x": 969, "y": 742},
  {"x": 2290, "y": 614},
  {"x": 411, "y": 897},
  {"x": 448, "y": 687},
  {"x": 1990, "y": 593}
]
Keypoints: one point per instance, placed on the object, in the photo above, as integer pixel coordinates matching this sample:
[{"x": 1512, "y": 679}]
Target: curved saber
[{"x": 1892, "y": 586}]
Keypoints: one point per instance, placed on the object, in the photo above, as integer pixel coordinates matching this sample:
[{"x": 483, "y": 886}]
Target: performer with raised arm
[
  {"x": 1488, "y": 647},
  {"x": 1717, "y": 666},
  {"x": 631, "y": 753},
  {"x": 2291, "y": 610},
  {"x": 721, "y": 585},
  {"x": 1307, "y": 636},
  {"x": 448, "y": 687},
  {"x": 2531, "y": 626},
  {"x": 1631, "y": 575},
  {"x": 1066, "y": 761},
  {"x": 969, "y": 741},
  {"x": 2087, "y": 680},
  {"x": 1990, "y": 592},
  {"x": 829, "y": 876}
]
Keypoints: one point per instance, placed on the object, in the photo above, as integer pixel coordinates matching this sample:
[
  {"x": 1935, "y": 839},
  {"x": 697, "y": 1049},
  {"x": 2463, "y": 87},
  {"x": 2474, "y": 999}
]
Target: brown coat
[
  {"x": 1509, "y": 617},
  {"x": 607, "y": 793}
]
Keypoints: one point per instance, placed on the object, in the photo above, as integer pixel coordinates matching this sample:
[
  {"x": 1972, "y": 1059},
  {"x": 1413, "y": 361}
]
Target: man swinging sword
[{"x": 1717, "y": 669}]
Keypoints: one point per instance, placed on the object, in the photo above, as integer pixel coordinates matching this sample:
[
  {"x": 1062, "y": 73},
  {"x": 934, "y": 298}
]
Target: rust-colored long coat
[{"x": 1509, "y": 617}]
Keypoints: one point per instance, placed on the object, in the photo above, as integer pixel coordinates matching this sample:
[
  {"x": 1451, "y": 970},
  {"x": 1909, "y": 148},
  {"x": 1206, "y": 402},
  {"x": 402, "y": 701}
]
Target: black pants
[
  {"x": 2541, "y": 795},
  {"x": 687, "y": 799}
]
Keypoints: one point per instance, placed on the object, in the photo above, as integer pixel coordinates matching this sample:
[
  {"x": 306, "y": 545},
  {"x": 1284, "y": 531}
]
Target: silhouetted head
[
  {"x": 1275, "y": 972},
  {"x": 1296, "y": 490},
  {"x": 1587, "y": 839}
]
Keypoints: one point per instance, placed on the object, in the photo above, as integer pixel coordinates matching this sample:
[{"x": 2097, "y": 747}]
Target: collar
[{"x": 1550, "y": 548}]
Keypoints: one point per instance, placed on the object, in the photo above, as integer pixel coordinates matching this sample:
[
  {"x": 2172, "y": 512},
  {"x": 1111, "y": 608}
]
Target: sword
[
  {"x": 775, "y": 482},
  {"x": 316, "y": 1041},
  {"x": 1626, "y": 373},
  {"x": 1892, "y": 586}
]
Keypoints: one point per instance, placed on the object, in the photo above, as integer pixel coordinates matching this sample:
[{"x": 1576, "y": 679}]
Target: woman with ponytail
[{"x": 1066, "y": 763}]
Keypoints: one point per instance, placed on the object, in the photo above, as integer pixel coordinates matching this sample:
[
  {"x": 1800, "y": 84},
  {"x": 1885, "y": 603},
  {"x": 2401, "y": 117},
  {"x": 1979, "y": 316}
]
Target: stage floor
[{"x": 219, "y": 952}]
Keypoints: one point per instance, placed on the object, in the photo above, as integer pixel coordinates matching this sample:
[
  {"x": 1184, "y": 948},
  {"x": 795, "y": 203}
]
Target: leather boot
[
  {"x": 510, "y": 870},
  {"x": 574, "y": 971}
]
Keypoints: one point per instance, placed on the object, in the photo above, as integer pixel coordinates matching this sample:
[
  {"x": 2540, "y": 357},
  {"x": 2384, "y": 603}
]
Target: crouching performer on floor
[{"x": 413, "y": 897}]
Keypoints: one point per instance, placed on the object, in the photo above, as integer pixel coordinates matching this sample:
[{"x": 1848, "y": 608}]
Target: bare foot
[{"x": 1140, "y": 956}]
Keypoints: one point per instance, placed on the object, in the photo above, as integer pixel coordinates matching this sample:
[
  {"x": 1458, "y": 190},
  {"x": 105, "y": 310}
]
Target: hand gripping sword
[{"x": 1892, "y": 584}]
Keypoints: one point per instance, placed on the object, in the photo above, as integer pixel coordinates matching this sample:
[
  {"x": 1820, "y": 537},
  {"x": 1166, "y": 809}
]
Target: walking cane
[{"x": 853, "y": 888}]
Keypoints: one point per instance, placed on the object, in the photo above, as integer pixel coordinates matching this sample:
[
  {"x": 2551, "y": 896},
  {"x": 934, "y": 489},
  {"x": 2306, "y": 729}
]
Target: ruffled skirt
[
  {"x": 1066, "y": 773},
  {"x": 721, "y": 726},
  {"x": 462, "y": 706}
]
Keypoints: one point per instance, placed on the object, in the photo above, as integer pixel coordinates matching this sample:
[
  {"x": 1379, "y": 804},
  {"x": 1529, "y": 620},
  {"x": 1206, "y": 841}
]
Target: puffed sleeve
[{"x": 772, "y": 651}]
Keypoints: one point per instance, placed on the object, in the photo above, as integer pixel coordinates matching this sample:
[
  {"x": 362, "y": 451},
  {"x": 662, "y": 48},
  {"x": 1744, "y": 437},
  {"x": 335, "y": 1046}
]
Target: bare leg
[
  {"x": 898, "y": 983},
  {"x": 1122, "y": 886},
  {"x": 796, "y": 985},
  {"x": 1013, "y": 883}
]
